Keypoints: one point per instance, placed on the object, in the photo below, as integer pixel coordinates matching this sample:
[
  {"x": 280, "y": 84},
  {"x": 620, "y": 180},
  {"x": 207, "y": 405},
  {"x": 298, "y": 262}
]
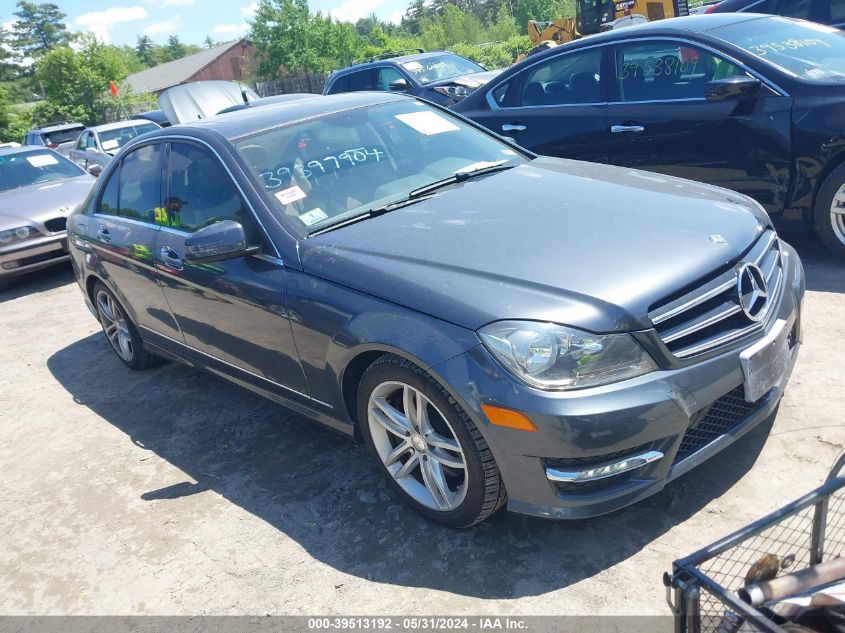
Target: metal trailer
[{"x": 702, "y": 588}]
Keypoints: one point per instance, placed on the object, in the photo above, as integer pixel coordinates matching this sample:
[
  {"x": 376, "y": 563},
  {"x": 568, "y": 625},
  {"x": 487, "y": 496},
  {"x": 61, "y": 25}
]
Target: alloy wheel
[
  {"x": 417, "y": 446},
  {"x": 837, "y": 214},
  {"x": 114, "y": 325}
]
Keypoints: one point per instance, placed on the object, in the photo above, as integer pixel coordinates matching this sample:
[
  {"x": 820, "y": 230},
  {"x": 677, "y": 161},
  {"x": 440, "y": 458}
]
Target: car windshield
[
  {"x": 430, "y": 69},
  {"x": 807, "y": 50},
  {"x": 323, "y": 171},
  {"x": 113, "y": 140},
  {"x": 22, "y": 169}
]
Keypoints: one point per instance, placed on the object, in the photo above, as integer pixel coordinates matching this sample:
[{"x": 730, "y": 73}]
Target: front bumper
[
  {"x": 32, "y": 255},
  {"x": 686, "y": 415}
]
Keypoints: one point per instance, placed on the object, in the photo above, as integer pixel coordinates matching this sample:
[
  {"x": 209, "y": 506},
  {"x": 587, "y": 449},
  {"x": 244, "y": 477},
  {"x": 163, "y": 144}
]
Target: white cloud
[
  {"x": 178, "y": 3},
  {"x": 354, "y": 10},
  {"x": 167, "y": 26},
  {"x": 230, "y": 29},
  {"x": 100, "y": 23},
  {"x": 249, "y": 10}
]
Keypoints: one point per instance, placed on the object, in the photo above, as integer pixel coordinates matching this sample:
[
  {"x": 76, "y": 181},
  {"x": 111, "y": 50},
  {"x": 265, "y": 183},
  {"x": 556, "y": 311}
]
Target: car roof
[
  {"x": 57, "y": 127},
  {"x": 118, "y": 125},
  {"x": 399, "y": 59},
  {"x": 234, "y": 125}
]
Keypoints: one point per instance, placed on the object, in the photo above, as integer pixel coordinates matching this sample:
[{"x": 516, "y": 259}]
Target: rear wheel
[
  {"x": 427, "y": 447},
  {"x": 829, "y": 212},
  {"x": 120, "y": 331}
]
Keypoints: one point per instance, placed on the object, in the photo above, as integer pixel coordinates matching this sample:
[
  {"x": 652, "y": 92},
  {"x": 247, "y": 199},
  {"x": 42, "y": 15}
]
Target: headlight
[
  {"x": 551, "y": 356},
  {"x": 18, "y": 235},
  {"x": 454, "y": 90}
]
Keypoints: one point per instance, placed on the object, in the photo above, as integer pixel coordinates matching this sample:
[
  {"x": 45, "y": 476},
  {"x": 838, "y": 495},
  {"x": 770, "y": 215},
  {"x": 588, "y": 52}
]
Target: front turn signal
[{"x": 507, "y": 418}]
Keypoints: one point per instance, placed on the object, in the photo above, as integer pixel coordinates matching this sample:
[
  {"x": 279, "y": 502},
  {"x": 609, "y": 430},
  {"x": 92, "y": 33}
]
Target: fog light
[
  {"x": 602, "y": 472},
  {"x": 10, "y": 265}
]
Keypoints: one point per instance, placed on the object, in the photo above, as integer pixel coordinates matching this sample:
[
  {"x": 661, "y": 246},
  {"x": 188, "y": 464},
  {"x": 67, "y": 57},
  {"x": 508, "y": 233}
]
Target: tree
[
  {"x": 280, "y": 32},
  {"x": 76, "y": 83},
  {"x": 209, "y": 42},
  {"x": 38, "y": 28},
  {"x": 145, "y": 50},
  {"x": 174, "y": 49}
]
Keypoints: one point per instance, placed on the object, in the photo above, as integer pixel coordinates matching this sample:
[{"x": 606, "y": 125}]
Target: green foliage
[
  {"x": 38, "y": 28},
  {"x": 76, "y": 83}
]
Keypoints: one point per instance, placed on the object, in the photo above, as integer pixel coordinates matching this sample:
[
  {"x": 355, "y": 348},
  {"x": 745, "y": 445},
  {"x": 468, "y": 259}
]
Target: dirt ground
[{"x": 174, "y": 492}]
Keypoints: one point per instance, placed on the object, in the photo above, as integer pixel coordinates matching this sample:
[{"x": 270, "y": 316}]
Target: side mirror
[
  {"x": 217, "y": 242},
  {"x": 399, "y": 85},
  {"x": 732, "y": 89},
  {"x": 95, "y": 170}
]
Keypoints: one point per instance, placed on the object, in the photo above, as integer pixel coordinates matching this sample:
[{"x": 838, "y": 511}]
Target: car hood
[
  {"x": 553, "y": 240},
  {"x": 35, "y": 204},
  {"x": 201, "y": 99}
]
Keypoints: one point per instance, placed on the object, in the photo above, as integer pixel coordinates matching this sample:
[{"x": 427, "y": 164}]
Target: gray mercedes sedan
[
  {"x": 38, "y": 189},
  {"x": 496, "y": 327}
]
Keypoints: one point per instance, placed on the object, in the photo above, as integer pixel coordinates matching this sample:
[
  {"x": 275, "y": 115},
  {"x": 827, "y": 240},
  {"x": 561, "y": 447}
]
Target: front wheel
[
  {"x": 829, "y": 212},
  {"x": 426, "y": 446}
]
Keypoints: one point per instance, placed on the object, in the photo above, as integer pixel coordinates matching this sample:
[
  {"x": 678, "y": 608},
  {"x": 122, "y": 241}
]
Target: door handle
[
  {"x": 513, "y": 127},
  {"x": 103, "y": 234},
  {"x": 627, "y": 129},
  {"x": 171, "y": 258}
]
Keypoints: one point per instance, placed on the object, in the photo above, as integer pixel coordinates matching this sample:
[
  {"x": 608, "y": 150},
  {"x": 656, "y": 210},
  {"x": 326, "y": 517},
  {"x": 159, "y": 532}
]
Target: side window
[
  {"x": 91, "y": 142},
  {"x": 386, "y": 76},
  {"x": 802, "y": 9},
  {"x": 140, "y": 184},
  {"x": 108, "y": 204},
  {"x": 837, "y": 12},
  {"x": 362, "y": 80},
  {"x": 668, "y": 71},
  {"x": 80, "y": 144},
  {"x": 500, "y": 92},
  {"x": 340, "y": 85},
  {"x": 565, "y": 79},
  {"x": 200, "y": 192}
]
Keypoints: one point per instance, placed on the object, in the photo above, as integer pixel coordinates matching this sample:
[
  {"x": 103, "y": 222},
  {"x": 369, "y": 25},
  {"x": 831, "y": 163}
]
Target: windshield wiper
[
  {"x": 370, "y": 213},
  {"x": 416, "y": 195},
  {"x": 461, "y": 176}
]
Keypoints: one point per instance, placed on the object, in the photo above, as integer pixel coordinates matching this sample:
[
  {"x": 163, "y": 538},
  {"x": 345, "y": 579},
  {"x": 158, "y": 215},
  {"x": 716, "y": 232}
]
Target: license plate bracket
[{"x": 764, "y": 364}]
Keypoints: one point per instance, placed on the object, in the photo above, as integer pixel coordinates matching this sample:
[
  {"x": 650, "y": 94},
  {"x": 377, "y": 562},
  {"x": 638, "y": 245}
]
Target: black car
[
  {"x": 830, "y": 12},
  {"x": 441, "y": 77},
  {"x": 401, "y": 275},
  {"x": 58, "y": 136},
  {"x": 748, "y": 102}
]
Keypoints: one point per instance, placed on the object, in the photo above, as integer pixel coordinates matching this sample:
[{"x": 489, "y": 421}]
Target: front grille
[
  {"x": 710, "y": 316},
  {"x": 56, "y": 225},
  {"x": 720, "y": 417}
]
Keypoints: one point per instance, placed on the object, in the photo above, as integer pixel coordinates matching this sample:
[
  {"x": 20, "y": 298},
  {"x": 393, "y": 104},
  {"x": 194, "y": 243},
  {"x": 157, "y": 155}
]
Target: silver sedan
[{"x": 38, "y": 189}]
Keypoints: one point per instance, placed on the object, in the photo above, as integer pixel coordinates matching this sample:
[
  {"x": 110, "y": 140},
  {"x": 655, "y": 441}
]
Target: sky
[{"x": 121, "y": 22}]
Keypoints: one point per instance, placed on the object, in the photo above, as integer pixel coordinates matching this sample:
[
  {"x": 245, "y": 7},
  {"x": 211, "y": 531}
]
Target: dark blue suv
[{"x": 441, "y": 77}]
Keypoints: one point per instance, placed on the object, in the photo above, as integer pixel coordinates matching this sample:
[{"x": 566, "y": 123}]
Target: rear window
[
  {"x": 809, "y": 51},
  {"x": 62, "y": 136}
]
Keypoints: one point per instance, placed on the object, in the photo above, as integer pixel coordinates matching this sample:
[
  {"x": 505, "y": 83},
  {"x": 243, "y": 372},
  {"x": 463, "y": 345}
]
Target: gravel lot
[{"x": 174, "y": 492}]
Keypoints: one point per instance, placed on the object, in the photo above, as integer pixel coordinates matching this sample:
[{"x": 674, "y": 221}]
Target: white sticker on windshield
[
  {"x": 313, "y": 216},
  {"x": 42, "y": 160},
  {"x": 413, "y": 66},
  {"x": 428, "y": 122},
  {"x": 290, "y": 195},
  {"x": 112, "y": 144}
]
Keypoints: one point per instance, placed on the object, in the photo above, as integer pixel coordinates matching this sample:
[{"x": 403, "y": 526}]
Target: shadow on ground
[
  {"x": 321, "y": 490},
  {"x": 38, "y": 281},
  {"x": 825, "y": 271}
]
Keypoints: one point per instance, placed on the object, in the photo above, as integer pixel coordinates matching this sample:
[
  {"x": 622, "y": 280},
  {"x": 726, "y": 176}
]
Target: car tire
[
  {"x": 120, "y": 331},
  {"x": 438, "y": 462},
  {"x": 829, "y": 211}
]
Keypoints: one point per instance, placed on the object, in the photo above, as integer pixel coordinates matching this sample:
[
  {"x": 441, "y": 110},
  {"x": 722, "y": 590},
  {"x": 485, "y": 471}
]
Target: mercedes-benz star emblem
[{"x": 753, "y": 291}]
